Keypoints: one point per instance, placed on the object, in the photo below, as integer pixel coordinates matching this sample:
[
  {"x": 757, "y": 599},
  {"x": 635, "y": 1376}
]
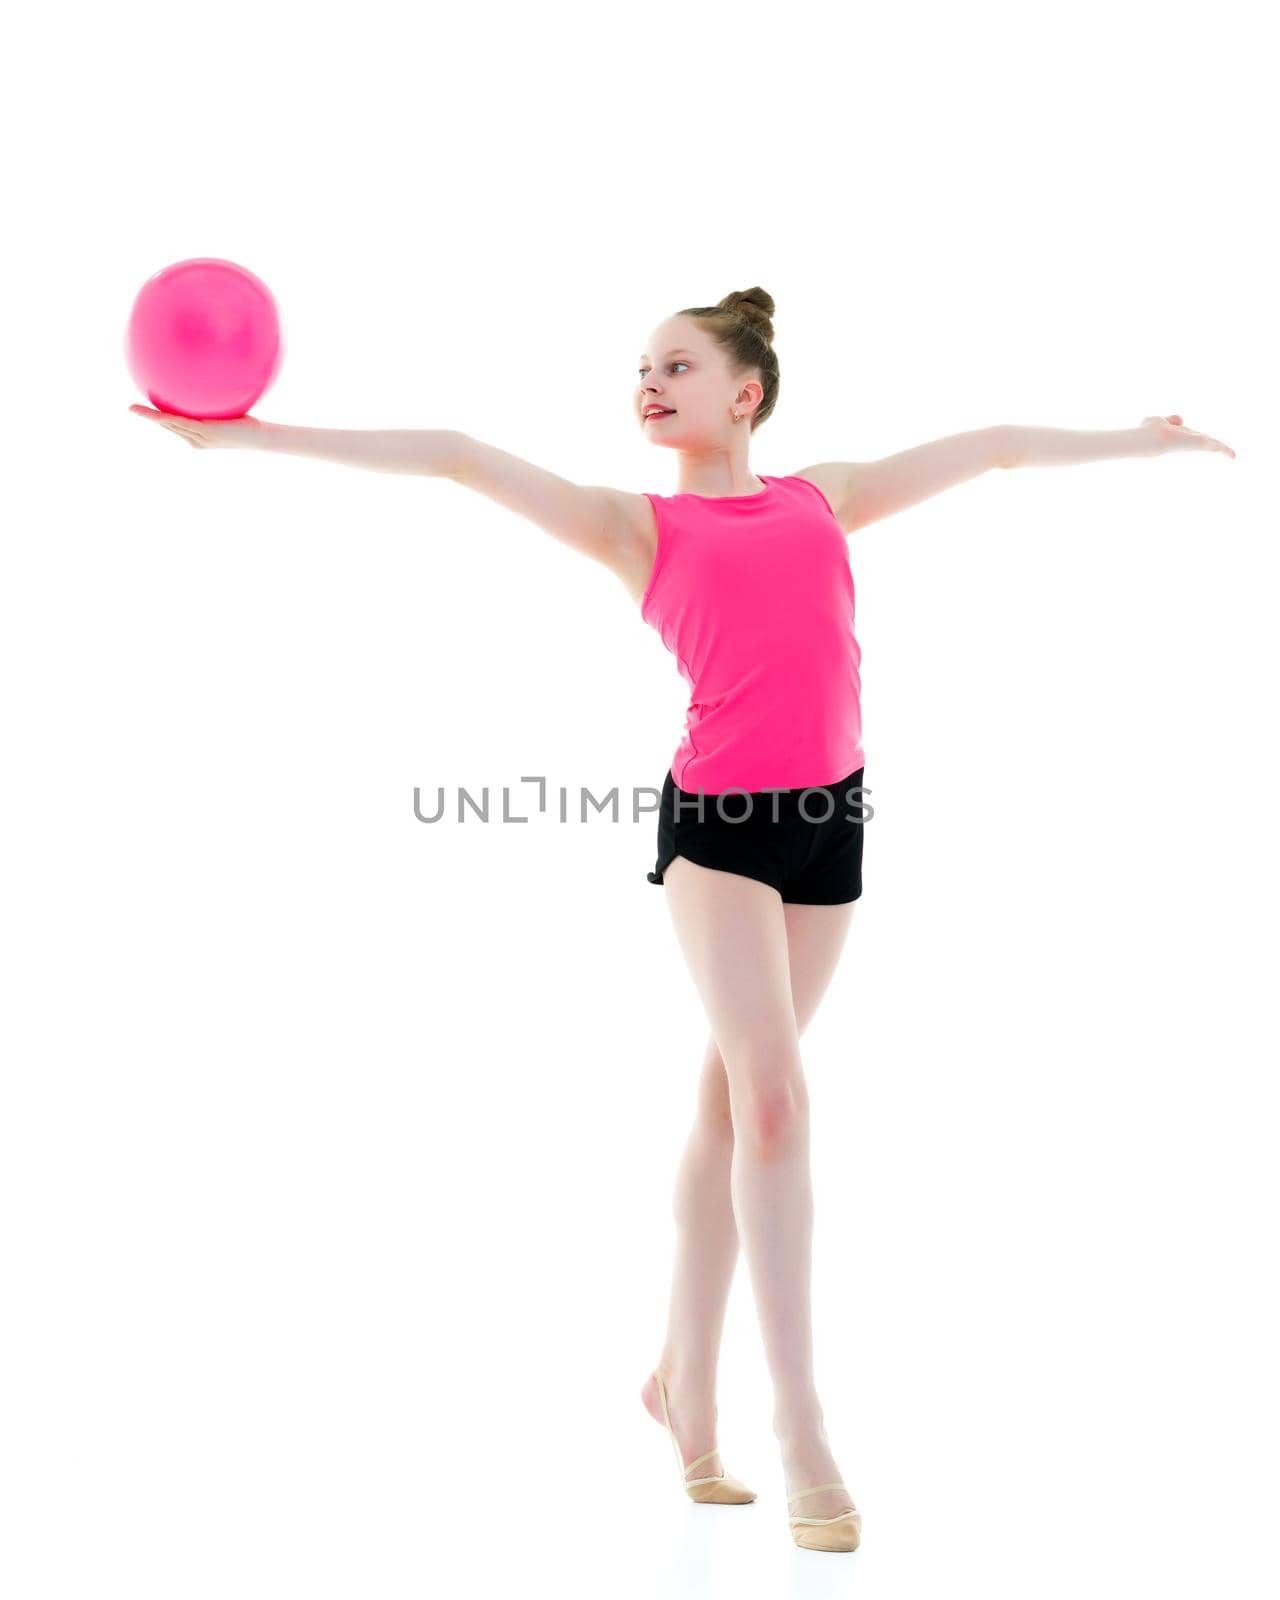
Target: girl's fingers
[
  {"x": 188, "y": 428},
  {"x": 1190, "y": 437}
]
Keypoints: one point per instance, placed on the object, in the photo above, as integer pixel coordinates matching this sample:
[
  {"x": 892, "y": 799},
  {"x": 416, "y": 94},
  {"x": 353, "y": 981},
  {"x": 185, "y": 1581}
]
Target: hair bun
[{"x": 753, "y": 305}]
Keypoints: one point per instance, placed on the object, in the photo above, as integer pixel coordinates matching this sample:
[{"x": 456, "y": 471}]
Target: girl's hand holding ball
[{"x": 208, "y": 434}]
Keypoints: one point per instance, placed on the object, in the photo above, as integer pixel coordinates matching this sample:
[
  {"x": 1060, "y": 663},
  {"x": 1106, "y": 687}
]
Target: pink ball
[{"x": 204, "y": 339}]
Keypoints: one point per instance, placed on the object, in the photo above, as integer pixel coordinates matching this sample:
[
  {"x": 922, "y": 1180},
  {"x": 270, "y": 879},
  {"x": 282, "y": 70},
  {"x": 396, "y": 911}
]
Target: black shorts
[{"x": 811, "y": 854}]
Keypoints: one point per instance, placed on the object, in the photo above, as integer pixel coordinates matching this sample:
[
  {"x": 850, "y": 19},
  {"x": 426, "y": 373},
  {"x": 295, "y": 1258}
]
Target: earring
[{"x": 736, "y": 417}]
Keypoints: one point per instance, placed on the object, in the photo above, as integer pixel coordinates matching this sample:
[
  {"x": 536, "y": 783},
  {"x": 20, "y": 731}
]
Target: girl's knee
[
  {"x": 770, "y": 1117},
  {"x": 769, "y": 1097}
]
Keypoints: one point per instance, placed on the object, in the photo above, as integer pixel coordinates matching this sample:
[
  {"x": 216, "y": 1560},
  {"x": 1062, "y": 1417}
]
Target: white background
[{"x": 338, "y": 1148}]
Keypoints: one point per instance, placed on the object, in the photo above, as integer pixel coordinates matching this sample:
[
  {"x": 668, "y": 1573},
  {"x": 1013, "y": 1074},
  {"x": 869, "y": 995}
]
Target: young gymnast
[{"x": 760, "y": 832}]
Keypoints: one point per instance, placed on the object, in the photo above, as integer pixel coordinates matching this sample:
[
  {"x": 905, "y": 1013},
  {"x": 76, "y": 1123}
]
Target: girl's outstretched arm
[
  {"x": 424, "y": 451},
  {"x": 1062, "y": 447},
  {"x": 597, "y": 521},
  {"x": 864, "y": 491}
]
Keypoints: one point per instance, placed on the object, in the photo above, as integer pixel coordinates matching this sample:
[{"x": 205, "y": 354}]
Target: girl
[{"x": 747, "y": 580}]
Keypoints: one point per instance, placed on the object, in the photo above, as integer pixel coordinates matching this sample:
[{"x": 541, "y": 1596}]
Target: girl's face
[{"x": 685, "y": 374}]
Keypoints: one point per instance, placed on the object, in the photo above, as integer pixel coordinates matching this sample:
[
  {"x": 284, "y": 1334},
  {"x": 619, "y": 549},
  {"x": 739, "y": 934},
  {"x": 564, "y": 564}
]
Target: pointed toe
[
  {"x": 841, "y": 1532},
  {"x": 725, "y": 1490}
]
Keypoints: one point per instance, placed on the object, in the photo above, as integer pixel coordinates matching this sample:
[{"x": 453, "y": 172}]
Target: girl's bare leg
[
  {"x": 761, "y": 968},
  {"x": 706, "y": 1255}
]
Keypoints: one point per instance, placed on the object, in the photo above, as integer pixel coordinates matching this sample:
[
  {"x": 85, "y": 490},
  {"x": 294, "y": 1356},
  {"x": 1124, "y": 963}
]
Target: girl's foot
[
  {"x": 806, "y": 1462},
  {"x": 693, "y": 1421}
]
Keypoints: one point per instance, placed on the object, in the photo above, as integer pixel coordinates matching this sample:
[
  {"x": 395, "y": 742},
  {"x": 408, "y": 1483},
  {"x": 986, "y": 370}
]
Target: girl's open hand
[
  {"x": 1169, "y": 434},
  {"x": 203, "y": 434}
]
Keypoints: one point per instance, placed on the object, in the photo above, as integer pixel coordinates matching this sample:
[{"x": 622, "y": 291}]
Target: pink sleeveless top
[{"x": 753, "y": 595}]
